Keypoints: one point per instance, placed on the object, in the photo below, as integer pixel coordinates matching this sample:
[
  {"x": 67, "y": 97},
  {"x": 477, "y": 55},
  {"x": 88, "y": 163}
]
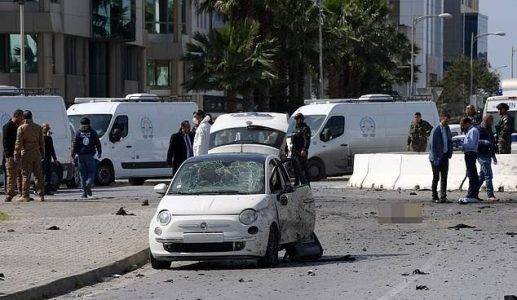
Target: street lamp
[
  {"x": 499, "y": 68},
  {"x": 472, "y": 40},
  {"x": 513, "y": 53},
  {"x": 320, "y": 36},
  {"x": 415, "y": 21},
  {"x": 22, "y": 43}
]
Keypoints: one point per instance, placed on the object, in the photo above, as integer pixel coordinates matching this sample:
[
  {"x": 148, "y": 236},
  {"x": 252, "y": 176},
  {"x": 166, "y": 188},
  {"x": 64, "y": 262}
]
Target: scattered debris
[
  {"x": 478, "y": 230},
  {"x": 122, "y": 212},
  {"x": 405, "y": 274},
  {"x": 484, "y": 206},
  {"x": 364, "y": 249},
  {"x": 458, "y": 213},
  {"x": 510, "y": 297},
  {"x": 169, "y": 281},
  {"x": 139, "y": 275},
  {"x": 418, "y": 272},
  {"x": 145, "y": 203},
  {"x": 347, "y": 258},
  {"x": 2, "y": 276},
  {"x": 422, "y": 287},
  {"x": 412, "y": 194},
  {"x": 53, "y": 228},
  {"x": 10, "y": 230},
  {"x": 460, "y": 226},
  {"x": 512, "y": 234},
  {"x": 116, "y": 276},
  {"x": 242, "y": 280},
  {"x": 311, "y": 273}
]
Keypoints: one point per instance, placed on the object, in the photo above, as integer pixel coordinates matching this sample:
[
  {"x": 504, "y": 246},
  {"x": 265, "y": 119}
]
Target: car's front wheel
[
  {"x": 270, "y": 259},
  {"x": 159, "y": 264}
]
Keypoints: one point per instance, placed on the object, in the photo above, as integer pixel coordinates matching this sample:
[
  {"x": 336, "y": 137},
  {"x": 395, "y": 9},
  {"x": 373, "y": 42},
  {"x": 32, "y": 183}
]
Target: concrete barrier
[
  {"x": 410, "y": 171},
  {"x": 383, "y": 171}
]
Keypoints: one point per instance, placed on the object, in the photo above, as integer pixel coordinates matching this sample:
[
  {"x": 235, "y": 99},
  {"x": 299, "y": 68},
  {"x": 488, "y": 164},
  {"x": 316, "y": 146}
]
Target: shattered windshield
[
  {"x": 247, "y": 135},
  {"x": 219, "y": 176}
]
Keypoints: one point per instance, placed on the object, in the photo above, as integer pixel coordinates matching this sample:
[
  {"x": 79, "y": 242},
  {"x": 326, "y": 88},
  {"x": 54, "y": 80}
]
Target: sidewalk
[{"x": 92, "y": 242}]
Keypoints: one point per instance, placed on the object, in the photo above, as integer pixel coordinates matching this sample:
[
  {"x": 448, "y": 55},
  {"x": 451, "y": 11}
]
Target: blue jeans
[
  {"x": 485, "y": 174},
  {"x": 86, "y": 169}
]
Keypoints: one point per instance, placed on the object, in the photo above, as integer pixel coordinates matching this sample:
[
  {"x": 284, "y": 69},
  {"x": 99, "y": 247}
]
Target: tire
[
  {"x": 136, "y": 181},
  {"x": 316, "y": 170},
  {"x": 104, "y": 174},
  {"x": 159, "y": 264},
  {"x": 270, "y": 259}
]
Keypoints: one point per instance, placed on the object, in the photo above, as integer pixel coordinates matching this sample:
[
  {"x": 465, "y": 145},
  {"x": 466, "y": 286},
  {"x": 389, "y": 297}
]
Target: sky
[{"x": 501, "y": 17}]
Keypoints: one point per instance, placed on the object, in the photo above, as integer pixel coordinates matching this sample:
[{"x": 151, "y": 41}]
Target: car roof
[
  {"x": 230, "y": 156},
  {"x": 272, "y": 120}
]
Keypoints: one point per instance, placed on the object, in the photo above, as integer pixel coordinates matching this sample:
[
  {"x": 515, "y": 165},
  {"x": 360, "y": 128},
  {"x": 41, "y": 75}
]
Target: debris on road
[
  {"x": 311, "y": 273},
  {"x": 122, "y": 212},
  {"x": 510, "y": 297},
  {"x": 139, "y": 275},
  {"x": 169, "y": 281},
  {"x": 460, "y": 226},
  {"x": 2, "y": 276},
  {"x": 419, "y": 272},
  {"x": 242, "y": 280},
  {"x": 484, "y": 206},
  {"x": 405, "y": 274},
  {"x": 512, "y": 234},
  {"x": 10, "y": 230},
  {"x": 53, "y": 228},
  {"x": 145, "y": 203},
  {"x": 422, "y": 287},
  {"x": 116, "y": 276}
]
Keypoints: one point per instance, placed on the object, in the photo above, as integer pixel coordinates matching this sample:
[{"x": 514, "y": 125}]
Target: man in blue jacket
[
  {"x": 470, "y": 148},
  {"x": 440, "y": 151},
  {"x": 86, "y": 143}
]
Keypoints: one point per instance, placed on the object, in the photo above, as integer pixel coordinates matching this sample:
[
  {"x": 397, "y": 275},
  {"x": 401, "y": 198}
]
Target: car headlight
[
  {"x": 164, "y": 217},
  {"x": 248, "y": 216}
]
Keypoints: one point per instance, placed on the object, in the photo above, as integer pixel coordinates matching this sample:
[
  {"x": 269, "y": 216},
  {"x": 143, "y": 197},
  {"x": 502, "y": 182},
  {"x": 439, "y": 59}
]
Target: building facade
[{"x": 100, "y": 48}]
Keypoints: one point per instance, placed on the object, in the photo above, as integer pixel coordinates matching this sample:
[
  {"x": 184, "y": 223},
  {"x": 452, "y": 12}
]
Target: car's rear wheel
[
  {"x": 104, "y": 175},
  {"x": 270, "y": 259},
  {"x": 159, "y": 264},
  {"x": 316, "y": 169}
]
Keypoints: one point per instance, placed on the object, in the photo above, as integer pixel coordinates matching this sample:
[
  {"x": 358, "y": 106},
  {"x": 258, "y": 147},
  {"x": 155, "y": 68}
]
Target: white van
[
  {"x": 45, "y": 109},
  {"x": 343, "y": 127},
  {"x": 251, "y": 132},
  {"x": 510, "y": 98},
  {"x": 134, "y": 133}
]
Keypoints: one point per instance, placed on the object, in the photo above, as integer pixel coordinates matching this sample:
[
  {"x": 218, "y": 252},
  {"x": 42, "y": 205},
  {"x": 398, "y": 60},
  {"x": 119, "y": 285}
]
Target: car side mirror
[{"x": 160, "y": 189}]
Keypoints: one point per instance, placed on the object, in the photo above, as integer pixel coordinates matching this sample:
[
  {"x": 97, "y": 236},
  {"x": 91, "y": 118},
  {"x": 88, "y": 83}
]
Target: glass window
[
  {"x": 119, "y": 129},
  {"x": 114, "y": 19},
  {"x": 158, "y": 72},
  {"x": 335, "y": 127},
  {"x": 98, "y": 122},
  {"x": 219, "y": 176},
  {"x": 11, "y": 53},
  {"x": 247, "y": 135},
  {"x": 313, "y": 121},
  {"x": 159, "y": 16}
]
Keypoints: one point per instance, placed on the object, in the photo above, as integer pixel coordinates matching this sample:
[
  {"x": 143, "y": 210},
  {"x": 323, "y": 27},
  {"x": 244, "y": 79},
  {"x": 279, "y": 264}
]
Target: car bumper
[{"x": 223, "y": 237}]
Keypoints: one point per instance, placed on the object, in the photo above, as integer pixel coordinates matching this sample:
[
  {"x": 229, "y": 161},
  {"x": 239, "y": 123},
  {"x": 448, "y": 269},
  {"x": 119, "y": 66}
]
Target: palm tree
[{"x": 234, "y": 59}]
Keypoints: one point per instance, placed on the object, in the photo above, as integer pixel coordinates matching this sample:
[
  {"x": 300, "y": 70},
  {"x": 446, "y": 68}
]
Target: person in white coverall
[{"x": 201, "y": 139}]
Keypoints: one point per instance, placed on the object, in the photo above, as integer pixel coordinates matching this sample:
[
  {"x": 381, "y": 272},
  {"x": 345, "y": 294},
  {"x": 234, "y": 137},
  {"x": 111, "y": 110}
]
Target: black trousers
[
  {"x": 440, "y": 173},
  {"x": 472, "y": 174},
  {"x": 303, "y": 166}
]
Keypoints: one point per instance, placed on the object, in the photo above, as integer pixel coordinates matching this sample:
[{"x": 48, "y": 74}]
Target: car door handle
[
  {"x": 129, "y": 146},
  {"x": 283, "y": 199}
]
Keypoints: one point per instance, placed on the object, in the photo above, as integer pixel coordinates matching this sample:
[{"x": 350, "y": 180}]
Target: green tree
[
  {"x": 456, "y": 84},
  {"x": 233, "y": 58}
]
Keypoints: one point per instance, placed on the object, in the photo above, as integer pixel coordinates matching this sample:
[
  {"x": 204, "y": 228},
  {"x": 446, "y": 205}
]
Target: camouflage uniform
[
  {"x": 418, "y": 133},
  {"x": 301, "y": 140},
  {"x": 31, "y": 148},
  {"x": 504, "y": 131}
]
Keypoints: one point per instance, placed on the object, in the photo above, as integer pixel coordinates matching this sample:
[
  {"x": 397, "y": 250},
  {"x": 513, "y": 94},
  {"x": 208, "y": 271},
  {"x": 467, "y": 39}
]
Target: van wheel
[
  {"x": 136, "y": 181},
  {"x": 270, "y": 259},
  {"x": 104, "y": 174},
  {"x": 316, "y": 169},
  {"x": 158, "y": 264}
]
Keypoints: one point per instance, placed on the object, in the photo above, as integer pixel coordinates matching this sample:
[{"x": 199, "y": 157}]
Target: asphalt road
[{"x": 469, "y": 263}]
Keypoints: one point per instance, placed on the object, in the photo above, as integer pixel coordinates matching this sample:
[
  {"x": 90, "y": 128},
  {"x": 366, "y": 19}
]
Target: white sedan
[{"x": 233, "y": 206}]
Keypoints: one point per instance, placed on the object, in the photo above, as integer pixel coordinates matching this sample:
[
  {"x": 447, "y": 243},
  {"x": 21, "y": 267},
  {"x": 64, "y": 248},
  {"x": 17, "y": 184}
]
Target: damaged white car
[{"x": 233, "y": 206}]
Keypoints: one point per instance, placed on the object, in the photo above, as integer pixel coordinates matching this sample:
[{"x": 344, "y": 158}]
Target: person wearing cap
[
  {"x": 419, "y": 131},
  {"x": 12, "y": 168},
  {"x": 504, "y": 129},
  {"x": 86, "y": 144},
  {"x": 30, "y": 148},
  {"x": 301, "y": 140},
  {"x": 50, "y": 154}
]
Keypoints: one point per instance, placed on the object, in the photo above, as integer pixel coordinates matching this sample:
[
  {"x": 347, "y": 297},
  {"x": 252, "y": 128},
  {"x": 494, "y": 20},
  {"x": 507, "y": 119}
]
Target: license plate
[{"x": 203, "y": 238}]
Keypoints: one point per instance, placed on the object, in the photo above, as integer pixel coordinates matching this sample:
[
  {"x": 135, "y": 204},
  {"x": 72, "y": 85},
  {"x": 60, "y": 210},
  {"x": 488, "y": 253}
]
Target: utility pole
[
  {"x": 320, "y": 33},
  {"x": 22, "y": 43}
]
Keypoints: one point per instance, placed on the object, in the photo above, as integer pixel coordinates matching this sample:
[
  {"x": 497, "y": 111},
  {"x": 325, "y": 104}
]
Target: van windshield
[
  {"x": 313, "y": 121},
  {"x": 247, "y": 135},
  {"x": 98, "y": 122}
]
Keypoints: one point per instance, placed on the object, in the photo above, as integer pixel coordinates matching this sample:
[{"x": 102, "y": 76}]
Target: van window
[
  {"x": 313, "y": 121},
  {"x": 119, "y": 129},
  {"x": 98, "y": 122},
  {"x": 334, "y": 128}
]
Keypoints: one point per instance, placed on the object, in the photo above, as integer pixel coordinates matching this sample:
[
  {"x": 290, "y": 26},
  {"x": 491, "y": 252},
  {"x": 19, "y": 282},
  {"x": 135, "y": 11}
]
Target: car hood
[
  {"x": 211, "y": 204},
  {"x": 245, "y": 148}
]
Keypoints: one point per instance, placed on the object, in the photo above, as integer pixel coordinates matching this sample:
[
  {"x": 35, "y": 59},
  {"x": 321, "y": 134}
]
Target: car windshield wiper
[
  {"x": 223, "y": 192},
  {"x": 183, "y": 193}
]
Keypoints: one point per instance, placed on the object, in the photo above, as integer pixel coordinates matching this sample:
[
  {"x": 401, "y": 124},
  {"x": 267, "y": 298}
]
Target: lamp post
[
  {"x": 472, "y": 40},
  {"x": 413, "y": 25},
  {"x": 22, "y": 43},
  {"x": 513, "y": 53},
  {"x": 320, "y": 36}
]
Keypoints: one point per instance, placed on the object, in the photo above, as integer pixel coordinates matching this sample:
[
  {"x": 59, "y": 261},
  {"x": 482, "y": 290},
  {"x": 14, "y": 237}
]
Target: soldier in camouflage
[
  {"x": 301, "y": 140},
  {"x": 418, "y": 133},
  {"x": 504, "y": 129}
]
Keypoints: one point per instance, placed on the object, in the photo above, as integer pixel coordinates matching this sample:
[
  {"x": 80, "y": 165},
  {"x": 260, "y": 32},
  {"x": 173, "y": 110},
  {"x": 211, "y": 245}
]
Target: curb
[{"x": 75, "y": 281}]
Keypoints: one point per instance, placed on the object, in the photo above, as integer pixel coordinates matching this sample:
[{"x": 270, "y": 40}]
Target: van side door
[
  {"x": 286, "y": 204},
  {"x": 336, "y": 150},
  {"x": 122, "y": 152}
]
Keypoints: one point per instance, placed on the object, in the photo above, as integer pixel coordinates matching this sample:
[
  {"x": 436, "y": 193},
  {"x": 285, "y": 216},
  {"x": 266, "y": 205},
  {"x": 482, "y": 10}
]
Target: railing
[{"x": 12, "y": 91}]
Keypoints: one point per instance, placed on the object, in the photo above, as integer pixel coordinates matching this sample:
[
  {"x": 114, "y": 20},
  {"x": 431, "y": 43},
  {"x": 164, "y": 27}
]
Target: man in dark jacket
[
  {"x": 86, "y": 143},
  {"x": 12, "y": 168},
  {"x": 301, "y": 140},
  {"x": 180, "y": 147},
  {"x": 486, "y": 153},
  {"x": 440, "y": 151},
  {"x": 504, "y": 129},
  {"x": 50, "y": 154}
]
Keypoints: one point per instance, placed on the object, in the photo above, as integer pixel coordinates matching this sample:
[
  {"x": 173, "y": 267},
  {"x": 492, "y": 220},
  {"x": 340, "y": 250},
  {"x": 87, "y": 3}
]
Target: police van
[
  {"x": 134, "y": 133},
  {"x": 46, "y": 108},
  {"x": 343, "y": 127}
]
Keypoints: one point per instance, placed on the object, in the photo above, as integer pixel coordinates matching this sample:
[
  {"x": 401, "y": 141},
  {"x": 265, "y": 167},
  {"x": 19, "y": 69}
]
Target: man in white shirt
[{"x": 202, "y": 137}]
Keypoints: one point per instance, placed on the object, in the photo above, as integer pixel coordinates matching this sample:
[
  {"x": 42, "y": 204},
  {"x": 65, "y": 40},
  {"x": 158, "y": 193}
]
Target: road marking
[{"x": 401, "y": 286}]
